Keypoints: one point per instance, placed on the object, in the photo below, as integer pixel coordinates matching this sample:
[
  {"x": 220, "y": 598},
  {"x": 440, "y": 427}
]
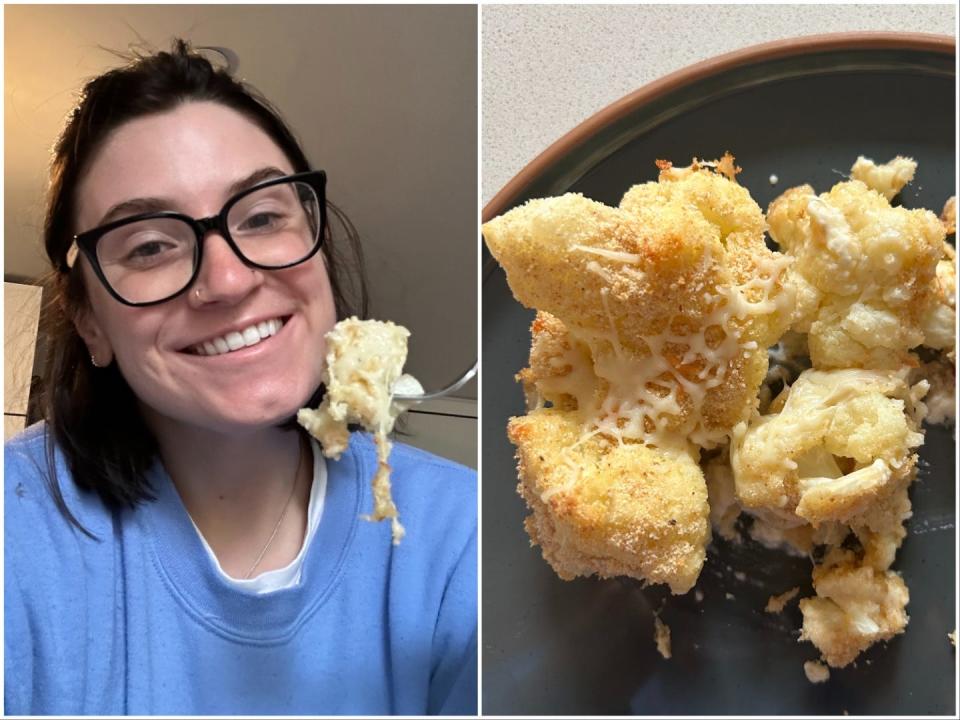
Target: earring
[{"x": 93, "y": 361}]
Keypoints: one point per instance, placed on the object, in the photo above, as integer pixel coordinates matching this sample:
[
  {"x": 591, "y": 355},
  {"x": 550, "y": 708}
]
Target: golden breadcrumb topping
[{"x": 683, "y": 374}]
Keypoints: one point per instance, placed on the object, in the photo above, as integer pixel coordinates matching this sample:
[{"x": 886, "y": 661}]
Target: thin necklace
[{"x": 283, "y": 514}]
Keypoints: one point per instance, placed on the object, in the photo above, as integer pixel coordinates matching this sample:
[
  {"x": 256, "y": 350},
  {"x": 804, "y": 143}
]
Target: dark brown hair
[{"x": 92, "y": 414}]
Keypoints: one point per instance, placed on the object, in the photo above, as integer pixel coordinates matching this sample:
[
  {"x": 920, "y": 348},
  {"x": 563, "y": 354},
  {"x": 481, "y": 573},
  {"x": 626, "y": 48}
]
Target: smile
[{"x": 239, "y": 339}]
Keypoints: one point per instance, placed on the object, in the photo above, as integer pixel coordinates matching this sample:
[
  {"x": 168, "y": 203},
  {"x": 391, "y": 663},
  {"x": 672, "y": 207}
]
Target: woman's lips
[{"x": 238, "y": 339}]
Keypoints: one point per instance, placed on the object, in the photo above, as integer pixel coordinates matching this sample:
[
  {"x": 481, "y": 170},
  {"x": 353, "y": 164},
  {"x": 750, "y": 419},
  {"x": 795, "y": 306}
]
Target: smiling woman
[{"x": 217, "y": 562}]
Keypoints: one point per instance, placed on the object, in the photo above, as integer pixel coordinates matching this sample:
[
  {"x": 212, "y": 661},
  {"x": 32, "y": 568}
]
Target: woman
[{"x": 174, "y": 544}]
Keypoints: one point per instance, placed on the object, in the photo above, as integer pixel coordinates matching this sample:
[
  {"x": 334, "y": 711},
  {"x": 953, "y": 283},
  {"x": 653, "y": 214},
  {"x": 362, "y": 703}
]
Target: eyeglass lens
[{"x": 150, "y": 260}]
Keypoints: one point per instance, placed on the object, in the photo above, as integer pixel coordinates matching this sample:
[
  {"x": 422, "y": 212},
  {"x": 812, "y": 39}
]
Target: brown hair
[{"x": 92, "y": 414}]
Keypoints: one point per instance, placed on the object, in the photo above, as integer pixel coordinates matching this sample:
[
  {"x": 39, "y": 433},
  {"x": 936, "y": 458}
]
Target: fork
[{"x": 451, "y": 388}]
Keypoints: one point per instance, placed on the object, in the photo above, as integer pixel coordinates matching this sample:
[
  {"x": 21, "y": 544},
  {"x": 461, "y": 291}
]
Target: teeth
[{"x": 236, "y": 340}]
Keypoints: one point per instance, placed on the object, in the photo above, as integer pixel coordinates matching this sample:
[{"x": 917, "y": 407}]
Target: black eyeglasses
[{"x": 153, "y": 257}]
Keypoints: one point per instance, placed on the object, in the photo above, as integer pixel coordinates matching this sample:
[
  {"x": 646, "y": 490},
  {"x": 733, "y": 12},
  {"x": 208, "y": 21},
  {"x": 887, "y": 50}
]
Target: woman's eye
[
  {"x": 148, "y": 249},
  {"x": 261, "y": 221},
  {"x": 152, "y": 252}
]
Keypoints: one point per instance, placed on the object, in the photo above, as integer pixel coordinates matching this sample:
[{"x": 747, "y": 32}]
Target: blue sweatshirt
[{"x": 142, "y": 622}]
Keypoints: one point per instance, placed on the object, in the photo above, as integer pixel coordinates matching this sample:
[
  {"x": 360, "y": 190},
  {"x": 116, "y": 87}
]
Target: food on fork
[{"x": 363, "y": 365}]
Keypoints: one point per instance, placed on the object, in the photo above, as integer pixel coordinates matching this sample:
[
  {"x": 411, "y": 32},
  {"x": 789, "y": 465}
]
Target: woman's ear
[{"x": 98, "y": 345}]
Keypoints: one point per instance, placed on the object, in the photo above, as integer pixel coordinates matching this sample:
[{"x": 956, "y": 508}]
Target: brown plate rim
[{"x": 777, "y": 49}]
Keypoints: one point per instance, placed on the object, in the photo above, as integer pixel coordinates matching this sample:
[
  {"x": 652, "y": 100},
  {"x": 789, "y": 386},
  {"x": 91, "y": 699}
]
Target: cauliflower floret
[
  {"x": 855, "y": 607},
  {"x": 880, "y": 529},
  {"x": 839, "y": 499},
  {"x": 560, "y": 371},
  {"x": 940, "y": 316},
  {"x": 729, "y": 208},
  {"x": 364, "y": 361},
  {"x": 609, "y": 509},
  {"x": 887, "y": 179},
  {"x": 941, "y": 400},
  {"x": 675, "y": 294},
  {"x": 841, "y": 441},
  {"x": 864, "y": 276},
  {"x": 949, "y": 215}
]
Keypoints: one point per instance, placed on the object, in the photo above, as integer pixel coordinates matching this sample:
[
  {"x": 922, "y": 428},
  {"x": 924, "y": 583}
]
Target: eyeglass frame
[{"x": 86, "y": 242}]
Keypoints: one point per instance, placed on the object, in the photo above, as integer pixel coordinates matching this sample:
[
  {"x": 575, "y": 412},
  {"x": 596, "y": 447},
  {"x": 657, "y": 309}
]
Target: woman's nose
[{"x": 223, "y": 276}]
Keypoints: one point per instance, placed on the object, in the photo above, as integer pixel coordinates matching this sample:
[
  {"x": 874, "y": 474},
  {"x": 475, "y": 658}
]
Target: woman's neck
[{"x": 244, "y": 492}]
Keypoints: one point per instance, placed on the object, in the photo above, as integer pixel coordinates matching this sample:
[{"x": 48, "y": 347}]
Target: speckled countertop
[{"x": 546, "y": 68}]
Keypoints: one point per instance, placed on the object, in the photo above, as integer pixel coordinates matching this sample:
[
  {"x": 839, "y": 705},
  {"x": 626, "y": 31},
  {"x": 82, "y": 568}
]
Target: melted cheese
[
  {"x": 838, "y": 237},
  {"x": 574, "y": 469},
  {"x": 646, "y": 395},
  {"x": 617, "y": 255}
]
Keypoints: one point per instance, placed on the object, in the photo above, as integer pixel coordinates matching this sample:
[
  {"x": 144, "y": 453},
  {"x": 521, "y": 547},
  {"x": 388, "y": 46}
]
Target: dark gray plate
[{"x": 586, "y": 647}]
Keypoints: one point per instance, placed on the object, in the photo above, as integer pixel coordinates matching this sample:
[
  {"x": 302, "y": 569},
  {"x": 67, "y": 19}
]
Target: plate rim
[{"x": 753, "y": 54}]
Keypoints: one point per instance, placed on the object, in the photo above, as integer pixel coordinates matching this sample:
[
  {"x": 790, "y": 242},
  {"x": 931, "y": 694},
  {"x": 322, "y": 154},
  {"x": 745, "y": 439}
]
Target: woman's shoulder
[
  {"x": 29, "y": 498},
  {"x": 25, "y": 466},
  {"x": 27, "y": 443},
  {"x": 436, "y": 497}
]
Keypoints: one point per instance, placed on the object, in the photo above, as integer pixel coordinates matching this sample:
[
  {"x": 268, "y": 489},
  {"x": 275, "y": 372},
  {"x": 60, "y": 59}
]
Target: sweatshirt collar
[{"x": 192, "y": 578}]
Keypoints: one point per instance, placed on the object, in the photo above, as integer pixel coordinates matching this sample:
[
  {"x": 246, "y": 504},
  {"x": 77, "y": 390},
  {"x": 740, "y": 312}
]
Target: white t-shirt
[{"x": 288, "y": 576}]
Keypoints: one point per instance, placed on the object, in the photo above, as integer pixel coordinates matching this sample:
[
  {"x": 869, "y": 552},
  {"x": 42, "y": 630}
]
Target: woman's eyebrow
[
  {"x": 257, "y": 176},
  {"x": 135, "y": 206},
  {"x": 139, "y": 206}
]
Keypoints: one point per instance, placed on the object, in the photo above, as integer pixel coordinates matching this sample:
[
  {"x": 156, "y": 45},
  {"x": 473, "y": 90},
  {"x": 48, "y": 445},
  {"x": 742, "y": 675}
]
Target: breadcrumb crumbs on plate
[
  {"x": 777, "y": 603},
  {"x": 816, "y": 671},
  {"x": 661, "y": 635}
]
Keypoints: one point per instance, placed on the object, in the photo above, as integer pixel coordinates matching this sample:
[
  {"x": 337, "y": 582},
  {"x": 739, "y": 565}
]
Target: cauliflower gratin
[
  {"x": 364, "y": 364},
  {"x": 682, "y": 373}
]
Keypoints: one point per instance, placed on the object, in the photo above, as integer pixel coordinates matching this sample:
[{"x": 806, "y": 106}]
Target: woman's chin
[{"x": 239, "y": 419}]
